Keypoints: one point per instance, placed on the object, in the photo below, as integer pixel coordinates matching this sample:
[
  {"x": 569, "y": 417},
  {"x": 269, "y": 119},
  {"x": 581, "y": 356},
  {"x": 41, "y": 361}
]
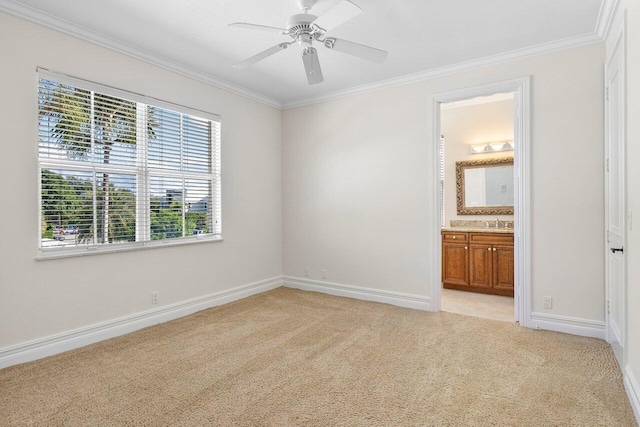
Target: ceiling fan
[{"x": 305, "y": 28}]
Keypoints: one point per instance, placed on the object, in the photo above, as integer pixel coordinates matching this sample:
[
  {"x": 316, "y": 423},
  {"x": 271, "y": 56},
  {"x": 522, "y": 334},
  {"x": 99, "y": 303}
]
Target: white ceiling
[
  {"x": 478, "y": 100},
  {"x": 479, "y": 121},
  {"x": 423, "y": 37}
]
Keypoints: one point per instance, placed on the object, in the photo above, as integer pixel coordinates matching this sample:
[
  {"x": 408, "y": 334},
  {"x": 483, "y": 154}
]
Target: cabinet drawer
[
  {"x": 501, "y": 239},
  {"x": 448, "y": 236}
]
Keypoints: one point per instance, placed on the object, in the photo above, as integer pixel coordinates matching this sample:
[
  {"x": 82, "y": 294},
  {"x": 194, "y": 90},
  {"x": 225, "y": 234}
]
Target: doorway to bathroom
[
  {"x": 477, "y": 193},
  {"x": 482, "y": 201}
]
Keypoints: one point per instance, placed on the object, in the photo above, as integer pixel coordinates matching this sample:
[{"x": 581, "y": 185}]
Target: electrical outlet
[
  {"x": 324, "y": 273},
  {"x": 154, "y": 297},
  {"x": 306, "y": 272},
  {"x": 548, "y": 303}
]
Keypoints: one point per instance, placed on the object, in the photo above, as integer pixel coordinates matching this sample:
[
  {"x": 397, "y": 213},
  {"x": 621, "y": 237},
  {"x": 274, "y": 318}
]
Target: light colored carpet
[
  {"x": 494, "y": 307},
  {"x": 287, "y": 357}
]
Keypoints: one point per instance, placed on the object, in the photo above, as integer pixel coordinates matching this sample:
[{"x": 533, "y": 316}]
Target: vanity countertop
[{"x": 479, "y": 230}]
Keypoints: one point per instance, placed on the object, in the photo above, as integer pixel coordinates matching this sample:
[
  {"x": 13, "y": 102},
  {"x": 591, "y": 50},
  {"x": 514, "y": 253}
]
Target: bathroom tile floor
[{"x": 478, "y": 305}]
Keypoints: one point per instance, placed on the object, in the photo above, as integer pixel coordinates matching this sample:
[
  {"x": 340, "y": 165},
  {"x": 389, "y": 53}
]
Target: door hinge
[
  {"x": 607, "y": 165},
  {"x": 608, "y": 307},
  {"x": 608, "y": 239},
  {"x": 607, "y": 93}
]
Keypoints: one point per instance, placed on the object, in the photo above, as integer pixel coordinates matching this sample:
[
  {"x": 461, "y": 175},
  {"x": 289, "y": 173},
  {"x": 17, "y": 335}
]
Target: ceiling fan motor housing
[
  {"x": 300, "y": 29},
  {"x": 300, "y": 24}
]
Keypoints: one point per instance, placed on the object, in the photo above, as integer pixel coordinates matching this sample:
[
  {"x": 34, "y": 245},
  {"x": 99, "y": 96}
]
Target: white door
[{"x": 615, "y": 198}]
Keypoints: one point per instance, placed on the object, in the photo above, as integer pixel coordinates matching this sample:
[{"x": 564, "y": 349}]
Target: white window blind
[{"x": 118, "y": 169}]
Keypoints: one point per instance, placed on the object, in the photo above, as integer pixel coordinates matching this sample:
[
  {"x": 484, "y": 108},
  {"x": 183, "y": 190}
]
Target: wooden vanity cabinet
[
  {"x": 503, "y": 271},
  {"x": 478, "y": 262},
  {"x": 480, "y": 266},
  {"x": 455, "y": 258},
  {"x": 455, "y": 264}
]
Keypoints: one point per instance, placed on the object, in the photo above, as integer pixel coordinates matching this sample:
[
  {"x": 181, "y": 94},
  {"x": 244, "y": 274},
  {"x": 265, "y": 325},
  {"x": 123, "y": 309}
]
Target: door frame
[
  {"x": 616, "y": 49},
  {"x": 520, "y": 87}
]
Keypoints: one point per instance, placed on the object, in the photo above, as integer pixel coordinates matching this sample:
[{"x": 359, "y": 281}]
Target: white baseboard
[
  {"x": 357, "y": 292},
  {"x": 618, "y": 352},
  {"x": 48, "y": 346},
  {"x": 633, "y": 391},
  {"x": 569, "y": 325}
]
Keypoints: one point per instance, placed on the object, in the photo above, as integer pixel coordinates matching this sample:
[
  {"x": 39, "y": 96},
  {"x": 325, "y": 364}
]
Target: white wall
[
  {"x": 358, "y": 183},
  {"x": 466, "y": 125},
  {"x": 41, "y": 298}
]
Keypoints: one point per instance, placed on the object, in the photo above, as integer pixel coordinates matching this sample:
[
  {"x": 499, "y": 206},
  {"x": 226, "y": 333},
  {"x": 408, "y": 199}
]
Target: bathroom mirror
[{"x": 485, "y": 187}]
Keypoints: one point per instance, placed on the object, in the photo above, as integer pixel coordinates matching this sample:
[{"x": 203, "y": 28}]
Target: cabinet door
[
  {"x": 455, "y": 259},
  {"x": 503, "y": 267},
  {"x": 480, "y": 265}
]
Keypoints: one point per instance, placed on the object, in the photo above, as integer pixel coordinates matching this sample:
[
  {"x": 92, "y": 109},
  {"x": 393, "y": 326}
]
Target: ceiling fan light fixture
[{"x": 305, "y": 40}]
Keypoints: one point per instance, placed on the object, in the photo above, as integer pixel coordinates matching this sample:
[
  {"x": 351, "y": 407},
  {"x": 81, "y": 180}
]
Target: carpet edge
[{"x": 80, "y": 337}]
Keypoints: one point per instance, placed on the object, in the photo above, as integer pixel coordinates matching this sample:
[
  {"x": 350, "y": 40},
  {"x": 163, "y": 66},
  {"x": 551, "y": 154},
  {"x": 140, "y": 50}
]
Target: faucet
[
  {"x": 497, "y": 223},
  {"x": 486, "y": 224}
]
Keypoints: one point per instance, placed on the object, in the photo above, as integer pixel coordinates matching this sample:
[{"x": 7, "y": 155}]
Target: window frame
[{"x": 140, "y": 170}]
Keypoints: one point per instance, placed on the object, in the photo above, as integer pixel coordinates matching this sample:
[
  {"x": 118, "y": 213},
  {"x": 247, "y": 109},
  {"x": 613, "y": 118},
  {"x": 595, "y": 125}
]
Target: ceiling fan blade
[
  {"x": 258, "y": 27},
  {"x": 262, "y": 55},
  {"x": 312, "y": 66},
  {"x": 337, "y": 15},
  {"x": 356, "y": 49}
]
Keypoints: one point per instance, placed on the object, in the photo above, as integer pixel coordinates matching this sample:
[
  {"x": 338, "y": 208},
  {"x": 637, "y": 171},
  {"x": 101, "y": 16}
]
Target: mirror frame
[{"x": 461, "y": 166}]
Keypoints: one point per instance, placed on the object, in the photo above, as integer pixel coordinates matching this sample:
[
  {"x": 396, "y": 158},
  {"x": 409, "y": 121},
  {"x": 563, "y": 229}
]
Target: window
[{"x": 118, "y": 170}]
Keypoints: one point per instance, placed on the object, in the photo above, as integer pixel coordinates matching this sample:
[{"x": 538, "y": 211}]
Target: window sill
[{"x": 47, "y": 254}]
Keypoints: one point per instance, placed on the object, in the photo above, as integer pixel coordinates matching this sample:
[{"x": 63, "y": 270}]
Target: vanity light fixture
[
  {"x": 491, "y": 147},
  {"x": 479, "y": 148}
]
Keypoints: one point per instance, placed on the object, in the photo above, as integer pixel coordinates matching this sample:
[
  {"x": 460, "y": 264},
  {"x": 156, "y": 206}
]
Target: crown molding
[
  {"x": 39, "y": 17},
  {"x": 541, "y": 49},
  {"x": 605, "y": 17}
]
